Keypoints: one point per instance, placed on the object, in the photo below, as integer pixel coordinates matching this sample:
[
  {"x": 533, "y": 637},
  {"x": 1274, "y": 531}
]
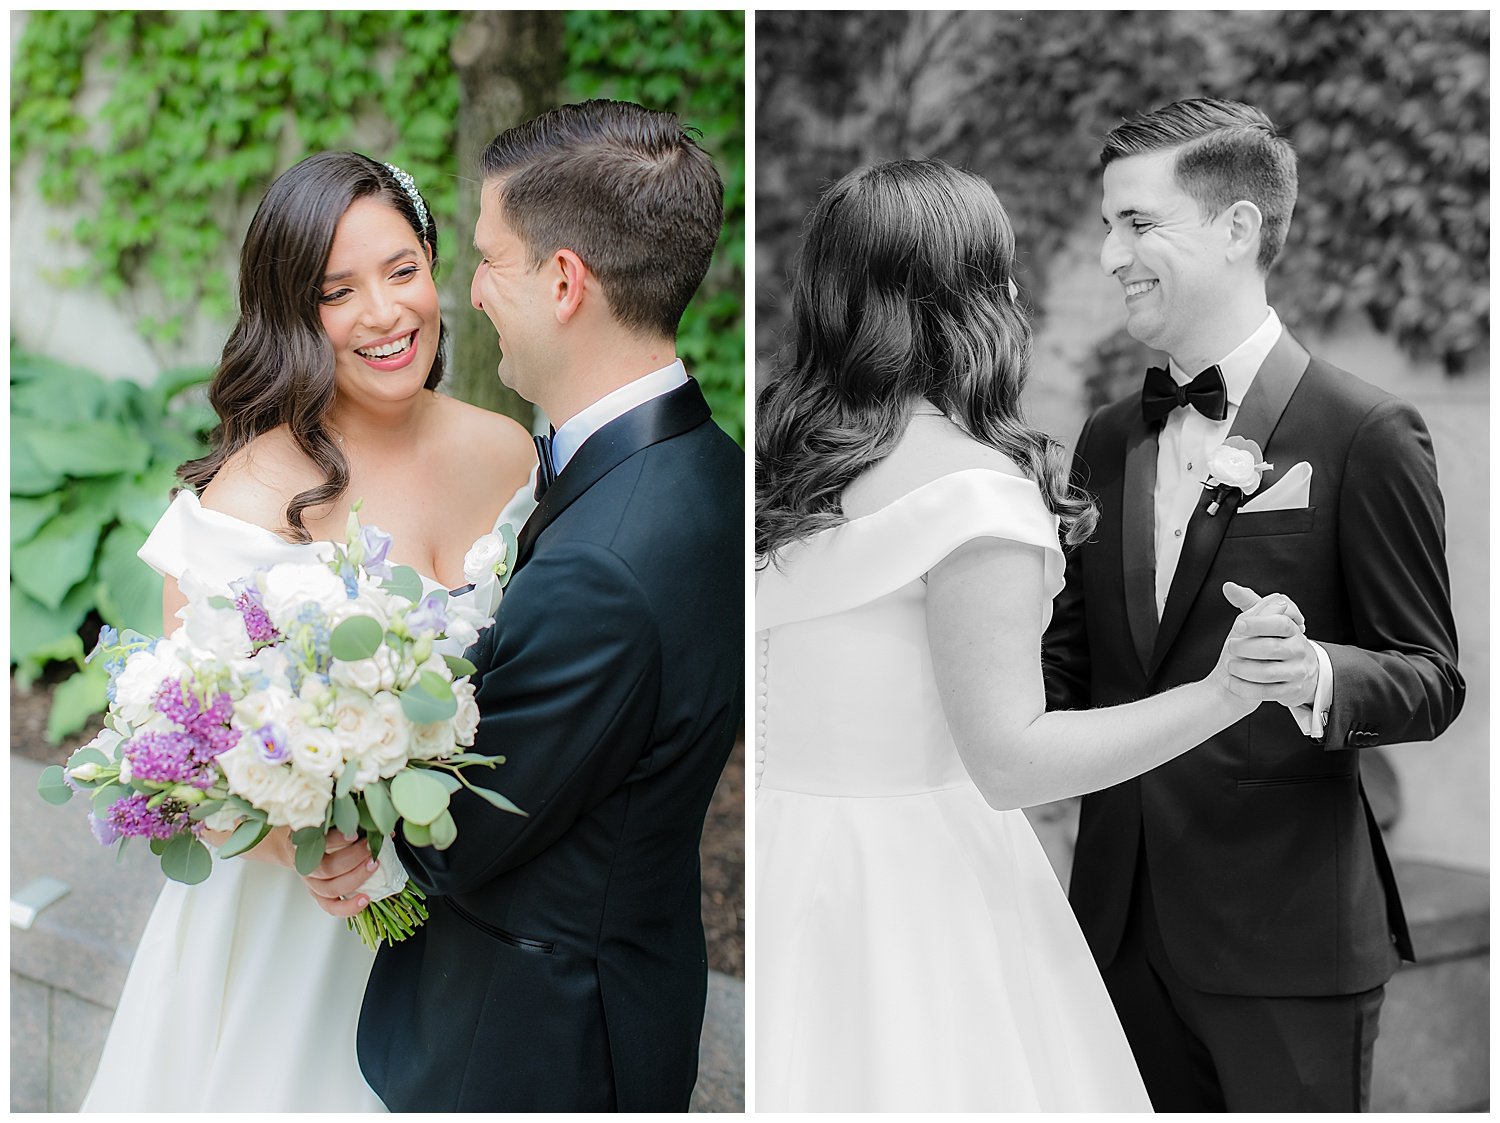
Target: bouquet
[{"x": 313, "y": 698}]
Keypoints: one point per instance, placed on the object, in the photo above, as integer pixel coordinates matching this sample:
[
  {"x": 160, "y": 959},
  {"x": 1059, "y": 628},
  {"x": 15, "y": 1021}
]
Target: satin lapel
[
  {"x": 663, "y": 417},
  {"x": 1257, "y": 418},
  {"x": 1138, "y": 536}
]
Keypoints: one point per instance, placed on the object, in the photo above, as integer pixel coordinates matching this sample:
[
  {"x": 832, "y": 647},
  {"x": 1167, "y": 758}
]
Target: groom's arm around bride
[{"x": 563, "y": 966}]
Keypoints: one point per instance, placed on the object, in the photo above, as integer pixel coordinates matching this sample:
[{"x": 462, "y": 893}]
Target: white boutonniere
[
  {"x": 487, "y": 566},
  {"x": 1234, "y": 472}
]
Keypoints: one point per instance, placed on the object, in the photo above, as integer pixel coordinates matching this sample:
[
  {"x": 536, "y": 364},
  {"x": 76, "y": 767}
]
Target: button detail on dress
[{"x": 1177, "y": 533}]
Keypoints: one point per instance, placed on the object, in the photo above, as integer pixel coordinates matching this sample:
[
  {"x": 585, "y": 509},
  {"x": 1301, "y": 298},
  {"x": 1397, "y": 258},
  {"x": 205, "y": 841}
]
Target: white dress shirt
[
  {"x": 589, "y": 420},
  {"x": 1183, "y": 446}
]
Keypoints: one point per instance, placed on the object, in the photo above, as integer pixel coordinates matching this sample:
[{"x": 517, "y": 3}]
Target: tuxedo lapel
[
  {"x": 1138, "y": 535},
  {"x": 663, "y": 417},
  {"x": 1258, "y": 415}
]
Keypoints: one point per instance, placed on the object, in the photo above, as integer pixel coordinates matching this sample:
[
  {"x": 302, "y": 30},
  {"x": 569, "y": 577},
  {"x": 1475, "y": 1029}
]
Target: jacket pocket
[
  {"x": 543, "y": 947},
  {"x": 1290, "y": 781},
  {"x": 1252, "y": 523}
]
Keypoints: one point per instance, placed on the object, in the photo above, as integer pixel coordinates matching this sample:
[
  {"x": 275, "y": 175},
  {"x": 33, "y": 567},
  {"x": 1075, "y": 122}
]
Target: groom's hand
[
  {"x": 335, "y": 884},
  {"x": 1268, "y": 653}
]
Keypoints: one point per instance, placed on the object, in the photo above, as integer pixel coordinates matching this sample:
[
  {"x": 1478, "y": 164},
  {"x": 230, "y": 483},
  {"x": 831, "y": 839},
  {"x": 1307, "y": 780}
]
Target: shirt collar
[
  {"x": 589, "y": 420},
  {"x": 1239, "y": 367}
]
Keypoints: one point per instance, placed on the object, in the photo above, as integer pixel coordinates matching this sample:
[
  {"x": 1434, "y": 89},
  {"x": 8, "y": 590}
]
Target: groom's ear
[
  {"x": 569, "y": 277},
  {"x": 1244, "y": 220}
]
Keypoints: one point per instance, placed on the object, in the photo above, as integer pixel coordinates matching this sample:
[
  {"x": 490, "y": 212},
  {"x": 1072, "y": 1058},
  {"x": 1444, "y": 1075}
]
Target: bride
[
  {"x": 914, "y": 950},
  {"x": 243, "y": 994}
]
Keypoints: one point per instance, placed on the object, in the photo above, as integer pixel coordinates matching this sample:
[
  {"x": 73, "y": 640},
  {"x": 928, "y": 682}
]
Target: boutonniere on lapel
[{"x": 1234, "y": 471}]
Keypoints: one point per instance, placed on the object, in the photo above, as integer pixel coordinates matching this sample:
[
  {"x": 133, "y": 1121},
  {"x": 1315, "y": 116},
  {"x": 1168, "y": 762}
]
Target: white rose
[
  {"x": 388, "y": 751},
  {"x": 432, "y": 740},
  {"x": 483, "y": 557},
  {"x": 303, "y": 802},
  {"x": 464, "y": 624},
  {"x": 261, "y": 707},
  {"x": 286, "y": 588},
  {"x": 314, "y": 750},
  {"x": 466, "y": 721},
  {"x": 369, "y": 675},
  {"x": 357, "y": 726}
]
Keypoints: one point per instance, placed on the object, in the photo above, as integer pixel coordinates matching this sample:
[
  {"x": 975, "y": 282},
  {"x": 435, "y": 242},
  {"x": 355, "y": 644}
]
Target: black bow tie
[
  {"x": 545, "y": 473},
  {"x": 1161, "y": 395}
]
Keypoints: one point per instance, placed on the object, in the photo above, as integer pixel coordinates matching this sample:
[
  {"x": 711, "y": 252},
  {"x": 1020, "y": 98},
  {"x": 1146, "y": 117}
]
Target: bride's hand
[
  {"x": 1274, "y": 615},
  {"x": 346, "y": 866}
]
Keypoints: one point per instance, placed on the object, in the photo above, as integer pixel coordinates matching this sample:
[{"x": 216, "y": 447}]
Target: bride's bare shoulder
[
  {"x": 932, "y": 447},
  {"x": 256, "y": 482}
]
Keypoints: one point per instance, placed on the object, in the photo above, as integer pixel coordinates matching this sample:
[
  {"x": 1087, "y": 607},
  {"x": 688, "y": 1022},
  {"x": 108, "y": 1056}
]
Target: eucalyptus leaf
[
  {"x": 187, "y": 860},
  {"x": 459, "y": 665},
  {"x": 499, "y": 801},
  {"x": 346, "y": 780},
  {"x": 447, "y": 779},
  {"x": 244, "y": 837},
  {"x": 422, "y": 707},
  {"x": 345, "y": 815},
  {"x": 203, "y": 810},
  {"x": 356, "y": 638},
  {"x": 416, "y": 833},
  {"x": 158, "y": 846},
  {"x": 51, "y": 786},
  {"x": 107, "y": 796},
  {"x": 309, "y": 843},
  {"x": 509, "y": 537},
  {"x": 87, "y": 755},
  {"x": 378, "y": 802},
  {"x": 418, "y": 796},
  {"x": 405, "y": 582},
  {"x": 444, "y": 831}
]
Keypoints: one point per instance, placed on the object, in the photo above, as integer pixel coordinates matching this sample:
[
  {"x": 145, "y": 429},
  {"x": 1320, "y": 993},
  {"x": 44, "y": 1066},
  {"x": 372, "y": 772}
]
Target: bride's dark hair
[
  {"x": 904, "y": 290},
  {"x": 277, "y": 365}
]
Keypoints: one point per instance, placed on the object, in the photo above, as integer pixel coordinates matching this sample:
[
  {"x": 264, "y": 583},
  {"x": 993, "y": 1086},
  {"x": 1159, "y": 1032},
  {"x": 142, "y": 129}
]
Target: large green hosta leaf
[{"x": 57, "y": 558}]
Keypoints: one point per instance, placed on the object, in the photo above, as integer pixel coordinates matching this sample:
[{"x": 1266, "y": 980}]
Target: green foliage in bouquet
[{"x": 92, "y": 464}]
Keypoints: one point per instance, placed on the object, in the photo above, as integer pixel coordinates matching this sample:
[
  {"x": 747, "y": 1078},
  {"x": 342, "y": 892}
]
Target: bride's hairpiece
[{"x": 409, "y": 185}]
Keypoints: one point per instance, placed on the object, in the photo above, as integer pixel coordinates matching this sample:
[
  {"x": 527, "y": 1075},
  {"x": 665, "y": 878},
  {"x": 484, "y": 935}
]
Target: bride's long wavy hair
[
  {"x": 904, "y": 290},
  {"x": 277, "y": 367}
]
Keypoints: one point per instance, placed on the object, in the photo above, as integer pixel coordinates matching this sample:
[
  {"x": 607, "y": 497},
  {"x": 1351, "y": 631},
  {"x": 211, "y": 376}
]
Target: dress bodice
[
  {"x": 847, "y": 702},
  {"x": 219, "y": 549}
]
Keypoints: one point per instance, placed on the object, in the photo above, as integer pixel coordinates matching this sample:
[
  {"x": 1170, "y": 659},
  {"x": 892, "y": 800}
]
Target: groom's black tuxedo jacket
[
  {"x": 563, "y": 966},
  {"x": 1268, "y": 873}
]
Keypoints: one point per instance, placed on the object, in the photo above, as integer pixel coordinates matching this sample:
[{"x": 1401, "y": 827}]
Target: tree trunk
[{"x": 509, "y": 67}]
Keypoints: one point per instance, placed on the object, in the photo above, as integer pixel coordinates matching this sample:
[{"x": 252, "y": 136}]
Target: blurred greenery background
[{"x": 140, "y": 144}]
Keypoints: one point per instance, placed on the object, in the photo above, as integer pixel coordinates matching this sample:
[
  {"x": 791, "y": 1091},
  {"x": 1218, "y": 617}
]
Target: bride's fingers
[
  {"x": 333, "y": 906},
  {"x": 341, "y": 862}
]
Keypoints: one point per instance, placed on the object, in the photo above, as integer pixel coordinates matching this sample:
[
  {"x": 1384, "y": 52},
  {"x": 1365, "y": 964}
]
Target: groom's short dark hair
[
  {"x": 1227, "y": 151},
  {"x": 623, "y": 187}
]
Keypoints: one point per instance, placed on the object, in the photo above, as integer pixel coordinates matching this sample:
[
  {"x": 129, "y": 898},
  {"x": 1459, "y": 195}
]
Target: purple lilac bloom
[
  {"x": 169, "y": 758},
  {"x": 258, "y": 625},
  {"x": 428, "y": 617},
  {"x": 104, "y": 830},
  {"x": 133, "y": 819}
]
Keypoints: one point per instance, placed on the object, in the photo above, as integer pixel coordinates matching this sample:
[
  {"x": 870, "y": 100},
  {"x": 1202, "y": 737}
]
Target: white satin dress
[
  {"x": 243, "y": 995},
  {"x": 913, "y": 948}
]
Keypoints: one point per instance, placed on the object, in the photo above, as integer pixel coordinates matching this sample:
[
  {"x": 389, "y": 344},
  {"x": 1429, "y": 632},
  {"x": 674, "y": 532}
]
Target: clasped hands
[{"x": 1267, "y": 656}]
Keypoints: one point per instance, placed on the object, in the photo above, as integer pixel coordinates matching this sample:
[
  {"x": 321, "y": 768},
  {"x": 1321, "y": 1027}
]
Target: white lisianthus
[
  {"x": 287, "y": 587},
  {"x": 432, "y": 740},
  {"x": 484, "y": 557},
  {"x": 465, "y": 623},
  {"x": 107, "y": 741},
  {"x": 466, "y": 721},
  {"x": 314, "y": 750}
]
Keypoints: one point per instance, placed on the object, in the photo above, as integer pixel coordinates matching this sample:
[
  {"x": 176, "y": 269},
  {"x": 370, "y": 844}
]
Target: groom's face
[
  {"x": 512, "y": 293},
  {"x": 1166, "y": 255}
]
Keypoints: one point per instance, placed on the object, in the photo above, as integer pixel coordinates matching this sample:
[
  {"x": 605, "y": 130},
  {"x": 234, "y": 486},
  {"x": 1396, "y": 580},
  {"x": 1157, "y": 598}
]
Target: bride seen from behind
[
  {"x": 326, "y": 395},
  {"x": 914, "y": 950}
]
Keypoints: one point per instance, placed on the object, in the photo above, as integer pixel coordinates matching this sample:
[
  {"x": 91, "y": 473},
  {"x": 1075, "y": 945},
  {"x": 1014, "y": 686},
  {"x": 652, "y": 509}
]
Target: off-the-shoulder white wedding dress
[
  {"x": 913, "y": 948},
  {"x": 243, "y": 995}
]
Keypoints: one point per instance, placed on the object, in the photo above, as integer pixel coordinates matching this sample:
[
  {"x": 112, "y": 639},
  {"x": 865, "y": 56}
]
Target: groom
[
  {"x": 1239, "y": 900},
  {"x": 563, "y": 966}
]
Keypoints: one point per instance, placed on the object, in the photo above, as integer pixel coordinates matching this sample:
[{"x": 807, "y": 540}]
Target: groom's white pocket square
[{"x": 1292, "y": 492}]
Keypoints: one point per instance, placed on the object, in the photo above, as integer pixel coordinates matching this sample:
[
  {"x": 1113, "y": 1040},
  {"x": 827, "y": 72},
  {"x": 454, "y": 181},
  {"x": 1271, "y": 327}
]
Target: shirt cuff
[{"x": 1312, "y": 718}]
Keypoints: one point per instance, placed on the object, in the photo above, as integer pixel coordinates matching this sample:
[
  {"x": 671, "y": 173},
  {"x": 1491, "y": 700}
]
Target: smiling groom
[
  {"x": 1239, "y": 900},
  {"x": 563, "y": 966}
]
